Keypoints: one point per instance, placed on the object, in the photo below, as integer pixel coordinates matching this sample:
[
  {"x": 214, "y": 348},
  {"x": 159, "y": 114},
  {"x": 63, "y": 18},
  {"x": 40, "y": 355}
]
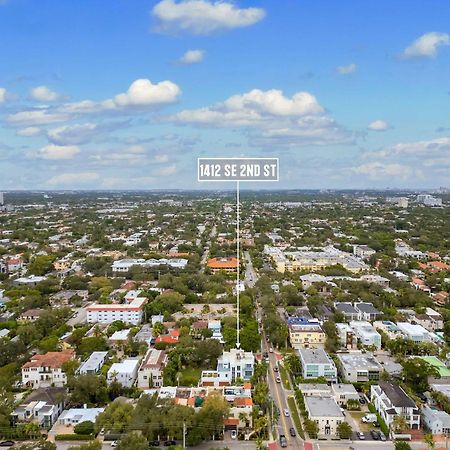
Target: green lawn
[
  {"x": 190, "y": 376},
  {"x": 284, "y": 376},
  {"x": 295, "y": 416}
]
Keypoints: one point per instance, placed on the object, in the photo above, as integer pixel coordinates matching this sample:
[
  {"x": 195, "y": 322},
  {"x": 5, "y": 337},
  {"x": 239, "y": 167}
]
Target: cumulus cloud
[
  {"x": 44, "y": 94},
  {"x": 168, "y": 170},
  {"x": 378, "y": 125},
  {"x": 376, "y": 170},
  {"x": 430, "y": 148},
  {"x": 56, "y": 152},
  {"x": 202, "y": 17},
  {"x": 427, "y": 45},
  {"x": 192, "y": 57},
  {"x": 295, "y": 120},
  {"x": 76, "y": 179},
  {"x": 4, "y": 95},
  {"x": 143, "y": 93},
  {"x": 29, "y": 131},
  {"x": 36, "y": 117},
  {"x": 346, "y": 70}
]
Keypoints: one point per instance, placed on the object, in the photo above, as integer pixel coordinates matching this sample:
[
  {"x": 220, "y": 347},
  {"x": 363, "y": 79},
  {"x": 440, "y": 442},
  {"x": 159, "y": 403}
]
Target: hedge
[
  {"x": 384, "y": 428},
  {"x": 74, "y": 437}
]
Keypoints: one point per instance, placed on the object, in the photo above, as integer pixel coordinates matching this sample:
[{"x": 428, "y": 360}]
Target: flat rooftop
[{"x": 323, "y": 407}]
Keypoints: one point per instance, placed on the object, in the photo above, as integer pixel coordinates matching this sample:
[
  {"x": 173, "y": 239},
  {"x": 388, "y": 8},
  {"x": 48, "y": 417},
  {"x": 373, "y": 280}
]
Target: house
[
  {"x": 363, "y": 251},
  {"x": 119, "y": 337},
  {"x": 93, "y": 364},
  {"x": 347, "y": 309},
  {"x": 315, "y": 389},
  {"x": 31, "y": 315},
  {"x": 171, "y": 338},
  {"x": 440, "y": 298},
  {"x": 438, "y": 422},
  {"x": 131, "y": 313},
  {"x": 366, "y": 334},
  {"x": 443, "y": 370},
  {"x": 366, "y": 311},
  {"x": 46, "y": 370},
  {"x": 388, "y": 327},
  {"x": 416, "y": 333},
  {"x": 390, "y": 400},
  {"x": 431, "y": 320},
  {"x": 223, "y": 264},
  {"x": 347, "y": 337},
  {"x": 305, "y": 333},
  {"x": 150, "y": 373},
  {"x": 124, "y": 372},
  {"x": 316, "y": 363},
  {"x": 32, "y": 280},
  {"x": 43, "y": 406},
  {"x": 145, "y": 335},
  {"x": 342, "y": 393},
  {"x": 231, "y": 366},
  {"x": 359, "y": 367},
  {"x": 326, "y": 413},
  {"x": 74, "y": 416}
]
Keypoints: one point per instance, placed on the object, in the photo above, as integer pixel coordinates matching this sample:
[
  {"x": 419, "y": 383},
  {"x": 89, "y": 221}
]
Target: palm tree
[
  {"x": 399, "y": 424},
  {"x": 429, "y": 440}
]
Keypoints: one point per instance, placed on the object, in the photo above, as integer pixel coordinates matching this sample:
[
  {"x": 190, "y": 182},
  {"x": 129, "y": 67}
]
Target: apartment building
[
  {"x": 359, "y": 367},
  {"x": 131, "y": 313},
  {"x": 150, "y": 373},
  {"x": 317, "y": 363},
  {"x": 305, "y": 333},
  {"x": 46, "y": 370}
]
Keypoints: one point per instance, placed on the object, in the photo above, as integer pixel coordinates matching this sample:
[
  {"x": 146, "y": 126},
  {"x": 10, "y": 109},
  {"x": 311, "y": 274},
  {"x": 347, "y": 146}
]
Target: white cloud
[
  {"x": 347, "y": 70},
  {"x": 433, "y": 147},
  {"x": 44, "y": 94},
  {"x": 37, "y": 117},
  {"x": 143, "y": 93},
  {"x": 167, "y": 171},
  {"x": 280, "y": 120},
  {"x": 192, "y": 57},
  {"x": 3, "y": 95},
  {"x": 203, "y": 17},
  {"x": 29, "y": 132},
  {"x": 377, "y": 170},
  {"x": 73, "y": 179},
  {"x": 426, "y": 45},
  {"x": 56, "y": 152},
  {"x": 378, "y": 125}
]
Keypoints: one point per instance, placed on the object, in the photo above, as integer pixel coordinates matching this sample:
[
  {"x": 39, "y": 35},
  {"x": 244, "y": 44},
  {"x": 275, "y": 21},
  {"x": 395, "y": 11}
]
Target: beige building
[
  {"x": 306, "y": 336},
  {"x": 150, "y": 373}
]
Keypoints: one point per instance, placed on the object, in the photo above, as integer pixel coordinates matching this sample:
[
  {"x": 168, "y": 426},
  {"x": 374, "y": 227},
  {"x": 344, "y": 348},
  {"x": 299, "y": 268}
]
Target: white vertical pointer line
[{"x": 238, "y": 217}]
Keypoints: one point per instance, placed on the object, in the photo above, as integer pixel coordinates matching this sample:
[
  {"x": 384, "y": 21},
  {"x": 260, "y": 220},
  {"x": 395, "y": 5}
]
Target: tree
[
  {"x": 41, "y": 265},
  {"x": 215, "y": 409},
  {"x": 158, "y": 329},
  {"x": 293, "y": 364},
  {"x": 133, "y": 441},
  {"x": 399, "y": 424},
  {"x": 402, "y": 445},
  {"x": 311, "y": 428},
  {"x": 416, "y": 372},
  {"x": 115, "y": 418},
  {"x": 40, "y": 445},
  {"x": 88, "y": 389},
  {"x": 86, "y": 427},
  {"x": 344, "y": 430},
  {"x": 429, "y": 440}
]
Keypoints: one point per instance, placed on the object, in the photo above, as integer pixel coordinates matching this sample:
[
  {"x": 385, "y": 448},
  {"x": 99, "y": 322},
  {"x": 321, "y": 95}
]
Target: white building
[
  {"x": 416, "y": 333},
  {"x": 347, "y": 337},
  {"x": 124, "y": 265},
  {"x": 363, "y": 251},
  {"x": 232, "y": 365},
  {"x": 93, "y": 364},
  {"x": 316, "y": 363},
  {"x": 131, "y": 313},
  {"x": 342, "y": 393},
  {"x": 326, "y": 413},
  {"x": 390, "y": 400},
  {"x": 151, "y": 371},
  {"x": 366, "y": 333},
  {"x": 124, "y": 372},
  {"x": 359, "y": 367},
  {"x": 438, "y": 422},
  {"x": 429, "y": 200},
  {"x": 46, "y": 370},
  {"x": 74, "y": 416}
]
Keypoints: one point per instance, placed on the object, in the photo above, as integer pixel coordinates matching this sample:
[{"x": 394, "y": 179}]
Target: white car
[
  {"x": 114, "y": 444},
  {"x": 233, "y": 434},
  {"x": 286, "y": 413}
]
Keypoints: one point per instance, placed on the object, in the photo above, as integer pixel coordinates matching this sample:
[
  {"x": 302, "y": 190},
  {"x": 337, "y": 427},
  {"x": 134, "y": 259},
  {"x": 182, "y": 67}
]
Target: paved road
[
  {"x": 78, "y": 317},
  {"x": 205, "y": 255},
  {"x": 251, "y": 277}
]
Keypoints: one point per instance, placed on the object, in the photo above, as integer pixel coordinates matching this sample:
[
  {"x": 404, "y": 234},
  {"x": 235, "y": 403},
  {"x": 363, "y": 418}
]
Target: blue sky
[{"x": 128, "y": 94}]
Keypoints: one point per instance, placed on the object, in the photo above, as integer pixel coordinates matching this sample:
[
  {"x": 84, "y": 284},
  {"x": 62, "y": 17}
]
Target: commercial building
[
  {"x": 390, "y": 400},
  {"x": 359, "y": 367},
  {"x": 316, "y": 363},
  {"x": 131, "y": 313},
  {"x": 150, "y": 373},
  {"x": 326, "y": 413},
  {"x": 124, "y": 372},
  {"x": 93, "y": 364},
  {"x": 124, "y": 265},
  {"x": 46, "y": 370}
]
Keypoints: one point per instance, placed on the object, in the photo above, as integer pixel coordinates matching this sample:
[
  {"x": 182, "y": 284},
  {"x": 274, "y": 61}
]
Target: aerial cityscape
[{"x": 224, "y": 225}]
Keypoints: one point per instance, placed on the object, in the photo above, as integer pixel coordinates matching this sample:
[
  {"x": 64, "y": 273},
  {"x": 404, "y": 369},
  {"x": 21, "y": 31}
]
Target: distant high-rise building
[
  {"x": 429, "y": 200},
  {"x": 2, "y": 199}
]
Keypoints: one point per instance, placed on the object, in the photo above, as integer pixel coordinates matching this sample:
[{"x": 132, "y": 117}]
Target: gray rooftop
[
  {"x": 314, "y": 356},
  {"x": 359, "y": 361},
  {"x": 367, "y": 308},
  {"x": 323, "y": 407},
  {"x": 346, "y": 308},
  {"x": 93, "y": 361}
]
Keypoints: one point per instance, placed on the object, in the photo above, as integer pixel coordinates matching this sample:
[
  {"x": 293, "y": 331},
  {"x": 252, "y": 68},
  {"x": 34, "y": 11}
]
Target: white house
[
  {"x": 326, "y": 413},
  {"x": 416, "y": 333},
  {"x": 74, "y": 416},
  {"x": 151, "y": 371},
  {"x": 366, "y": 333},
  {"x": 124, "y": 372},
  {"x": 342, "y": 393},
  {"x": 438, "y": 422},
  {"x": 390, "y": 400},
  {"x": 93, "y": 364}
]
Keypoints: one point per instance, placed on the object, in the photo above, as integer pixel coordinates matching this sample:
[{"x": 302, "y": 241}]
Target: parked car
[
  {"x": 7, "y": 443},
  {"x": 382, "y": 436},
  {"x": 154, "y": 443},
  {"x": 278, "y": 379},
  {"x": 283, "y": 441},
  {"x": 292, "y": 432},
  {"x": 169, "y": 443},
  {"x": 275, "y": 369},
  {"x": 270, "y": 350},
  {"x": 362, "y": 400},
  {"x": 361, "y": 435},
  {"x": 286, "y": 412},
  {"x": 375, "y": 435},
  {"x": 114, "y": 444},
  {"x": 233, "y": 434}
]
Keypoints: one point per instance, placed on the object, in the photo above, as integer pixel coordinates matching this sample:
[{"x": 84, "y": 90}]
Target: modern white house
[
  {"x": 342, "y": 393},
  {"x": 326, "y": 413},
  {"x": 317, "y": 363},
  {"x": 74, "y": 416},
  {"x": 124, "y": 372},
  {"x": 151, "y": 371},
  {"x": 414, "y": 332},
  {"x": 438, "y": 422},
  {"x": 390, "y": 400},
  {"x": 131, "y": 313},
  {"x": 359, "y": 367},
  {"x": 93, "y": 364},
  {"x": 366, "y": 333}
]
